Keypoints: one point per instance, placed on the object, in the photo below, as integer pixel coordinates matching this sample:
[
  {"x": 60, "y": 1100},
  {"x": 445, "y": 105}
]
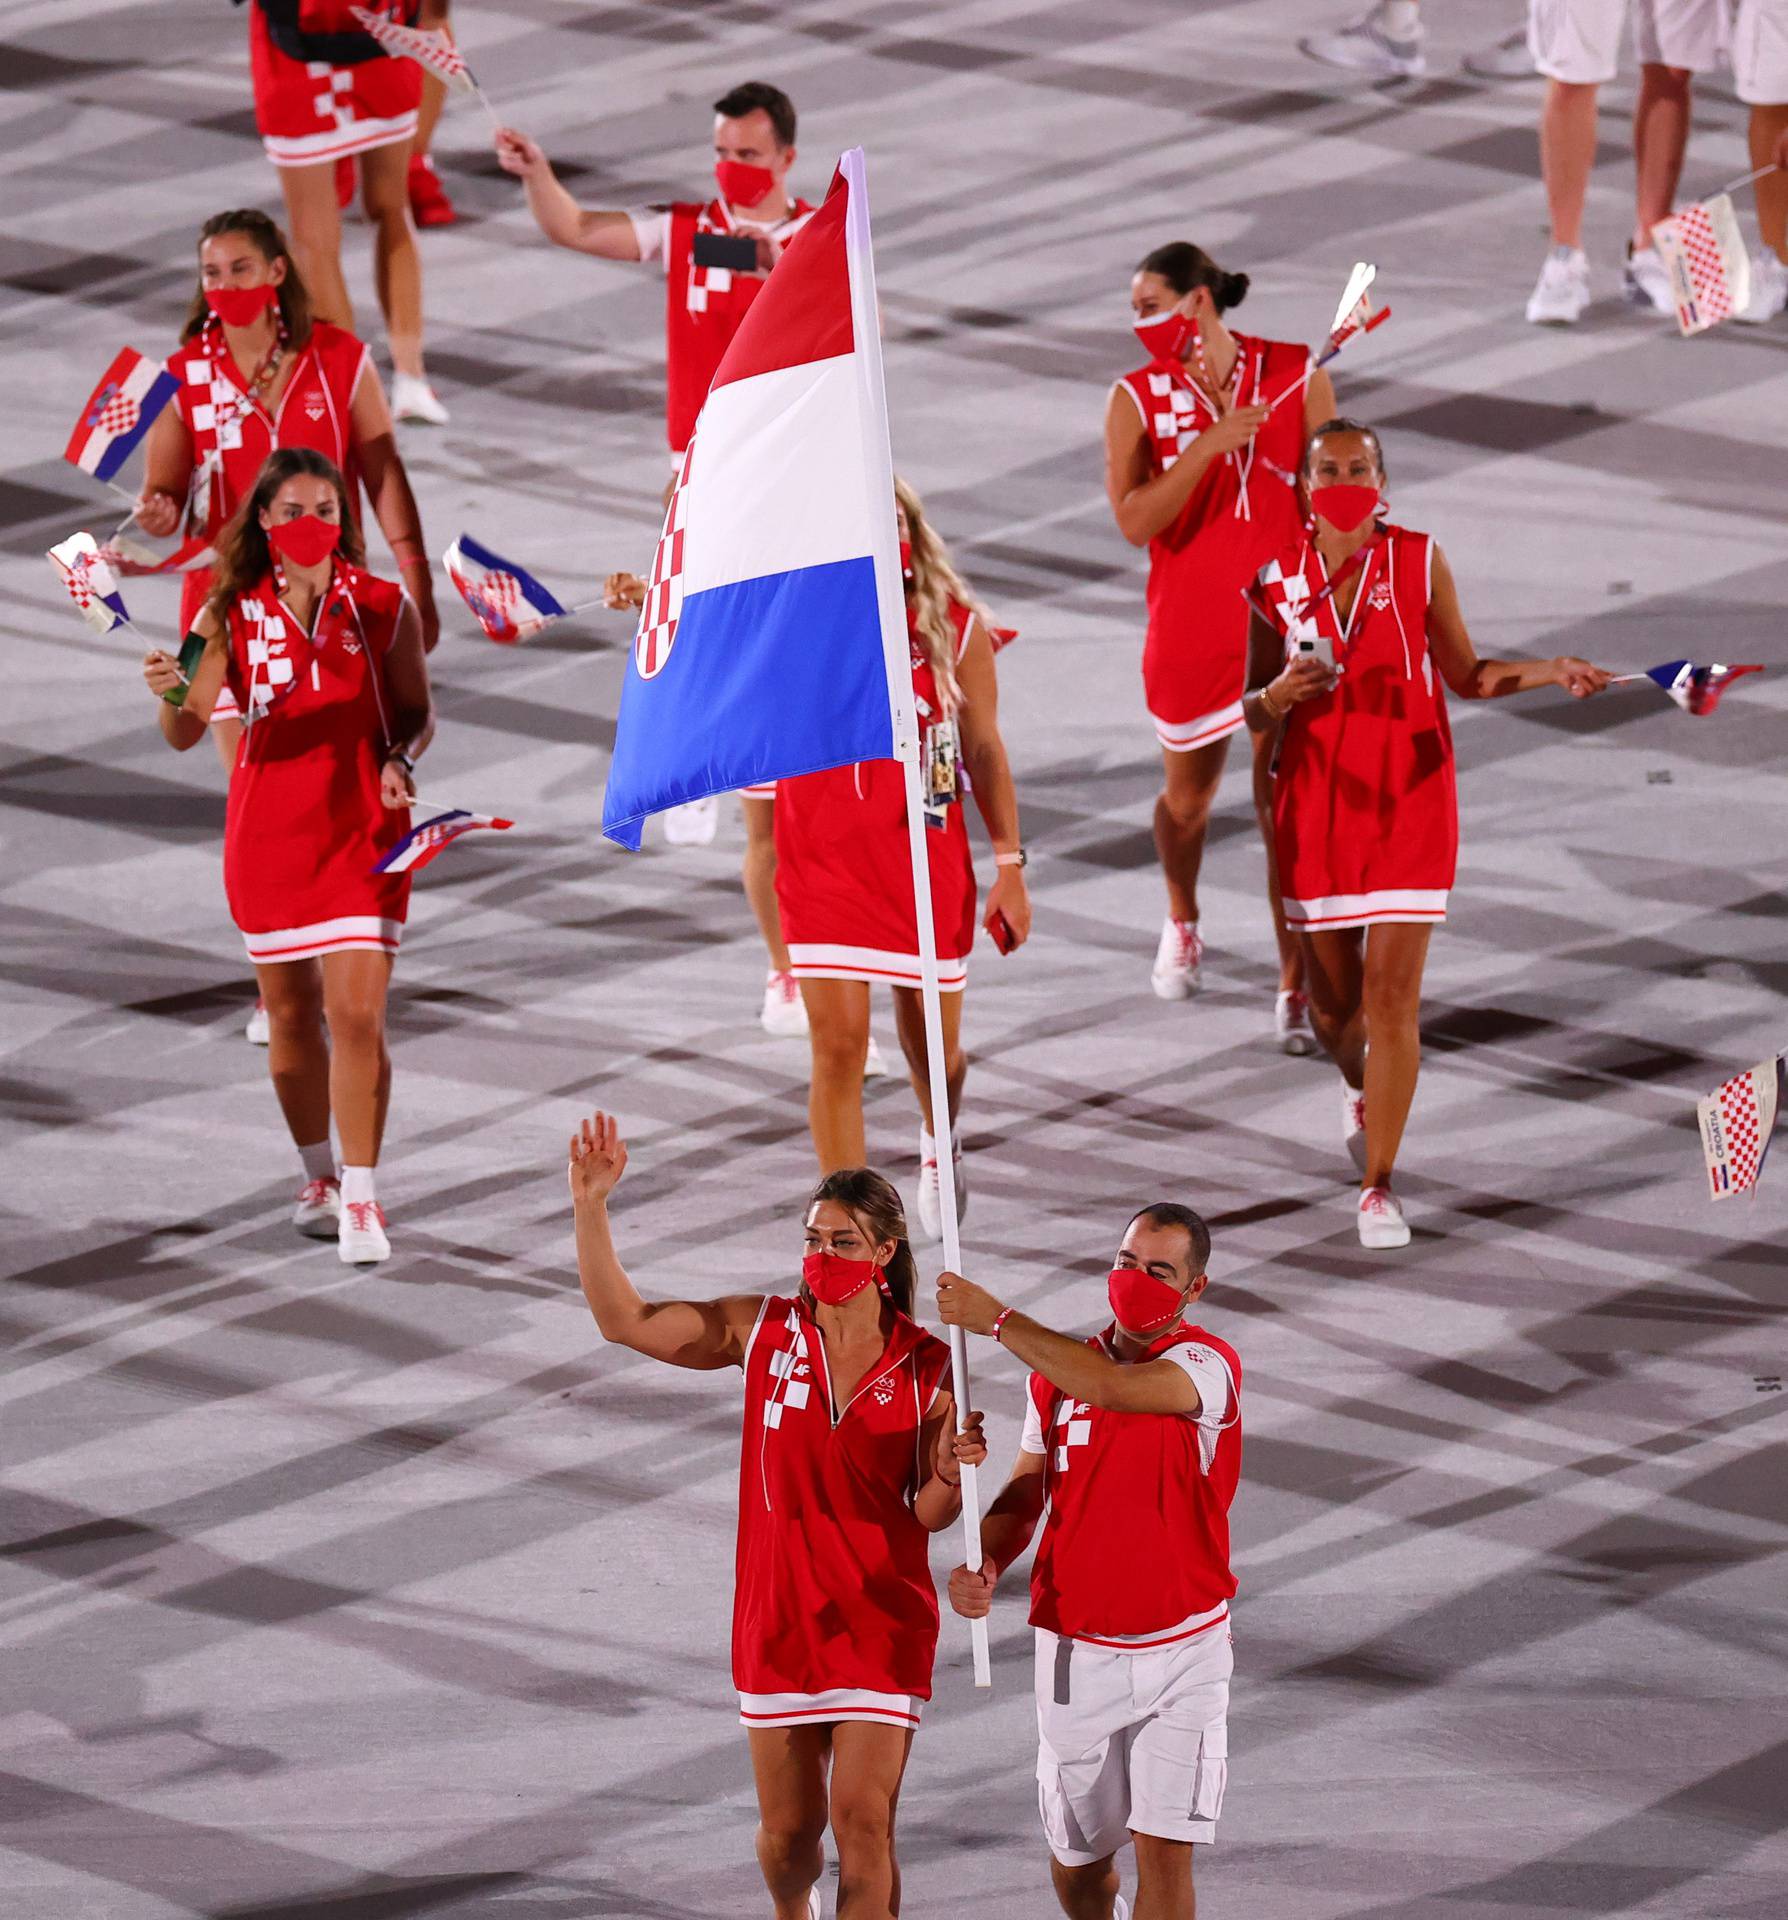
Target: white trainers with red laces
[
  {"x": 318, "y": 1213},
  {"x": 784, "y": 1012},
  {"x": 1177, "y": 960},
  {"x": 1291, "y": 1023},
  {"x": 361, "y": 1241},
  {"x": 1381, "y": 1220}
]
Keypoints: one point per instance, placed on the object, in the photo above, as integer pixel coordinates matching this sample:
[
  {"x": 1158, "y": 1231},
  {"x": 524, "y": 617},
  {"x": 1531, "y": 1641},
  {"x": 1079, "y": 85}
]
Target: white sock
[
  {"x": 1400, "y": 18},
  {"x": 356, "y": 1185},
  {"x": 319, "y": 1161}
]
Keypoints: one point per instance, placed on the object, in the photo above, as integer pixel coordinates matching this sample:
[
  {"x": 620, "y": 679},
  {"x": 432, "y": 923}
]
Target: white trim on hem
[
  {"x": 359, "y": 930},
  {"x": 872, "y": 965},
  {"x": 837, "y": 1703},
  {"x": 1186, "y": 736},
  {"x": 358, "y": 136},
  {"x": 1387, "y": 905}
]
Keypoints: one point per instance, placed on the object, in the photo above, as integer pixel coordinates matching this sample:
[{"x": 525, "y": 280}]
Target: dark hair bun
[{"x": 1231, "y": 291}]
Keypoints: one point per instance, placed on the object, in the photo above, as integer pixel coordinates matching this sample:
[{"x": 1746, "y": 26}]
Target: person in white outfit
[
  {"x": 1576, "y": 45},
  {"x": 1388, "y": 43},
  {"x": 1760, "y": 79}
]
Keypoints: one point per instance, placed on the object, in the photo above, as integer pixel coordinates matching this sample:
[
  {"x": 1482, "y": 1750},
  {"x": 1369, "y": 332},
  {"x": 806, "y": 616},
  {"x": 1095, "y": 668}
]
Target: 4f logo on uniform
[
  {"x": 1073, "y": 1428},
  {"x": 788, "y": 1391}
]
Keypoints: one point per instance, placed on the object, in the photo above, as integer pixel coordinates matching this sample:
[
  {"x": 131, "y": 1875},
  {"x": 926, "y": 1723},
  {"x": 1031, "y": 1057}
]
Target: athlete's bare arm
[
  {"x": 393, "y": 502},
  {"x": 703, "y": 1334},
  {"x": 1472, "y": 678},
  {"x": 167, "y": 468},
  {"x": 1319, "y": 402},
  {"x": 1148, "y": 1386},
  {"x": 938, "y": 1503},
  {"x": 184, "y": 726},
  {"x": 1145, "y": 503},
  {"x": 1006, "y": 1530},
  {"x": 1284, "y": 682},
  {"x": 607, "y": 233},
  {"x": 990, "y": 776},
  {"x": 412, "y": 705}
]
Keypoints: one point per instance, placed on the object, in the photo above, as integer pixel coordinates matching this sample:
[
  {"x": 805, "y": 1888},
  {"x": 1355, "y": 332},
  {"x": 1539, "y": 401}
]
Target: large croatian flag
[{"x": 773, "y": 638}]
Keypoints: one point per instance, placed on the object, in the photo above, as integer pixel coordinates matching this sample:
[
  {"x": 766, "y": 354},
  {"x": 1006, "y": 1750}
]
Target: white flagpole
[{"x": 866, "y": 327}]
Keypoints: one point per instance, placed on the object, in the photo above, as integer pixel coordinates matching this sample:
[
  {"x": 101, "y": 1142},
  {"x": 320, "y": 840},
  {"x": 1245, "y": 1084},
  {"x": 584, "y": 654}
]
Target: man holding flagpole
[{"x": 1131, "y": 1452}]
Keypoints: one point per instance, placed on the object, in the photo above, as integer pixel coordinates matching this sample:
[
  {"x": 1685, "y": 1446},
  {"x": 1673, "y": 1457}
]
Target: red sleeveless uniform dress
[
  {"x": 703, "y": 308},
  {"x": 305, "y": 822},
  {"x": 834, "y": 1613},
  {"x": 316, "y": 101},
  {"x": 1241, "y": 514},
  {"x": 844, "y": 871},
  {"x": 1365, "y": 809},
  {"x": 1130, "y": 1595},
  {"x": 231, "y": 434}
]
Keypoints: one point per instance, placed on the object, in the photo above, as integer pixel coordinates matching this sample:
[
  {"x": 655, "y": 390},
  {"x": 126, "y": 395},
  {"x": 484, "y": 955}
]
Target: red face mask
[
  {"x": 906, "y": 560},
  {"x": 1141, "y": 1303},
  {"x": 832, "y": 1279},
  {"x": 1344, "y": 508},
  {"x": 1166, "y": 336},
  {"x": 240, "y": 306},
  {"x": 743, "y": 185},
  {"x": 306, "y": 541}
]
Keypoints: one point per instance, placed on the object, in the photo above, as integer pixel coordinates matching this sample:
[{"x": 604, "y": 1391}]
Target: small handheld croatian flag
[
  {"x": 506, "y": 600},
  {"x": 1695, "y": 689},
  {"x": 1353, "y": 312},
  {"x": 119, "y": 411},
  {"x": 772, "y": 641},
  {"x": 1736, "y": 1121},
  {"x": 434, "y": 835},
  {"x": 432, "y": 49},
  {"x": 1704, "y": 253},
  {"x": 91, "y": 584}
]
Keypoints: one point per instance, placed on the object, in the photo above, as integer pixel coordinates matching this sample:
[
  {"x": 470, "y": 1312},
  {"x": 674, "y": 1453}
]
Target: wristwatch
[{"x": 402, "y": 759}]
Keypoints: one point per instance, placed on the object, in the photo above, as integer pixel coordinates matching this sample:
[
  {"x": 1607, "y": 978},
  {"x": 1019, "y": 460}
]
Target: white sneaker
[
  {"x": 814, "y": 1910},
  {"x": 1510, "y": 59},
  {"x": 1562, "y": 291},
  {"x": 413, "y": 401},
  {"x": 1645, "y": 282},
  {"x": 318, "y": 1213},
  {"x": 362, "y": 1242},
  {"x": 931, "y": 1186},
  {"x": 257, "y": 1031},
  {"x": 1291, "y": 1022},
  {"x": 693, "y": 824},
  {"x": 1769, "y": 290},
  {"x": 1353, "y": 1125},
  {"x": 784, "y": 1012},
  {"x": 874, "y": 1066},
  {"x": 1120, "y": 1907},
  {"x": 1381, "y": 1220},
  {"x": 1177, "y": 960},
  {"x": 1368, "y": 46}
]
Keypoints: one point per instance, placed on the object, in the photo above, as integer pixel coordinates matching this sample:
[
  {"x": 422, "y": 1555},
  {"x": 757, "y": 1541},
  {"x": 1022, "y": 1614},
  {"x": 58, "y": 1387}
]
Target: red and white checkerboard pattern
[
  {"x": 1073, "y": 1428},
  {"x": 334, "y": 97},
  {"x": 1743, "y": 1125},
  {"x": 1705, "y": 254},
  {"x": 119, "y": 414},
  {"x": 664, "y": 594}
]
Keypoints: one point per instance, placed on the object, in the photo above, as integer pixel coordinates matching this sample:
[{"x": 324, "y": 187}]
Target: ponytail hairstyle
[
  {"x": 1184, "y": 266},
  {"x": 874, "y": 1205},
  {"x": 935, "y": 584},
  {"x": 244, "y": 554},
  {"x": 1342, "y": 424},
  {"x": 269, "y": 242}
]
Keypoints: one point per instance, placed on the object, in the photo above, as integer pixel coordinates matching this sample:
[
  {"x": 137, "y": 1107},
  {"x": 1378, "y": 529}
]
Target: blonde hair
[{"x": 935, "y": 584}]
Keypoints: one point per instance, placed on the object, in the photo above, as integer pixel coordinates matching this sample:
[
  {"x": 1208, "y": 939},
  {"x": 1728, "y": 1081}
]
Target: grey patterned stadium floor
[{"x": 392, "y": 1594}]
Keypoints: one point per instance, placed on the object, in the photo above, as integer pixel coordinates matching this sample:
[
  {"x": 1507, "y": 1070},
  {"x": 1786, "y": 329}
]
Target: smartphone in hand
[
  {"x": 1001, "y": 930},
  {"x": 730, "y": 250}
]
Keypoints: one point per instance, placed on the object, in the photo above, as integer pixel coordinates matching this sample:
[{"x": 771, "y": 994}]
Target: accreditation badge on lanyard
[{"x": 939, "y": 771}]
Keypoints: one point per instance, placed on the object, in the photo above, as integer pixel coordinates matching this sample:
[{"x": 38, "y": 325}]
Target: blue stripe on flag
[
  {"x": 766, "y": 679},
  {"x": 160, "y": 392}
]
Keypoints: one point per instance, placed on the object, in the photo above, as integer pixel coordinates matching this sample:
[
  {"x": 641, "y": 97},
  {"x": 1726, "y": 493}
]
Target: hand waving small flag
[
  {"x": 506, "y": 600},
  {"x": 91, "y": 584},
  {"x": 1736, "y": 1122},
  {"x": 119, "y": 411},
  {"x": 434, "y": 835},
  {"x": 1695, "y": 689}
]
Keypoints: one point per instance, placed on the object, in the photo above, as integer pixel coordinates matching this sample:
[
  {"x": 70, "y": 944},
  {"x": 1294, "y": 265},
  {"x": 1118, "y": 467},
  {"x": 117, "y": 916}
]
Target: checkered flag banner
[
  {"x": 1736, "y": 1122},
  {"x": 663, "y": 605},
  {"x": 1704, "y": 254},
  {"x": 91, "y": 584},
  {"x": 432, "y": 49}
]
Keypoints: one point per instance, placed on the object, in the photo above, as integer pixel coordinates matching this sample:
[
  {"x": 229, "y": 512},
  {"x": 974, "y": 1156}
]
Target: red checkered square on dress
[{"x": 663, "y": 604}]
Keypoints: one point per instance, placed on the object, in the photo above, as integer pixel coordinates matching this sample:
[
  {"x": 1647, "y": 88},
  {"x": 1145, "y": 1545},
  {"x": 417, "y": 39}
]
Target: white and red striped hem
[
  {"x": 1184, "y": 736},
  {"x": 760, "y": 790},
  {"x": 1386, "y": 905},
  {"x": 362, "y": 930},
  {"x": 337, "y": 143},
  {"x": 838, "y": 1703},
  {"x": 1188, "y": 1629},
  {"x": 873, "y": 965}
]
